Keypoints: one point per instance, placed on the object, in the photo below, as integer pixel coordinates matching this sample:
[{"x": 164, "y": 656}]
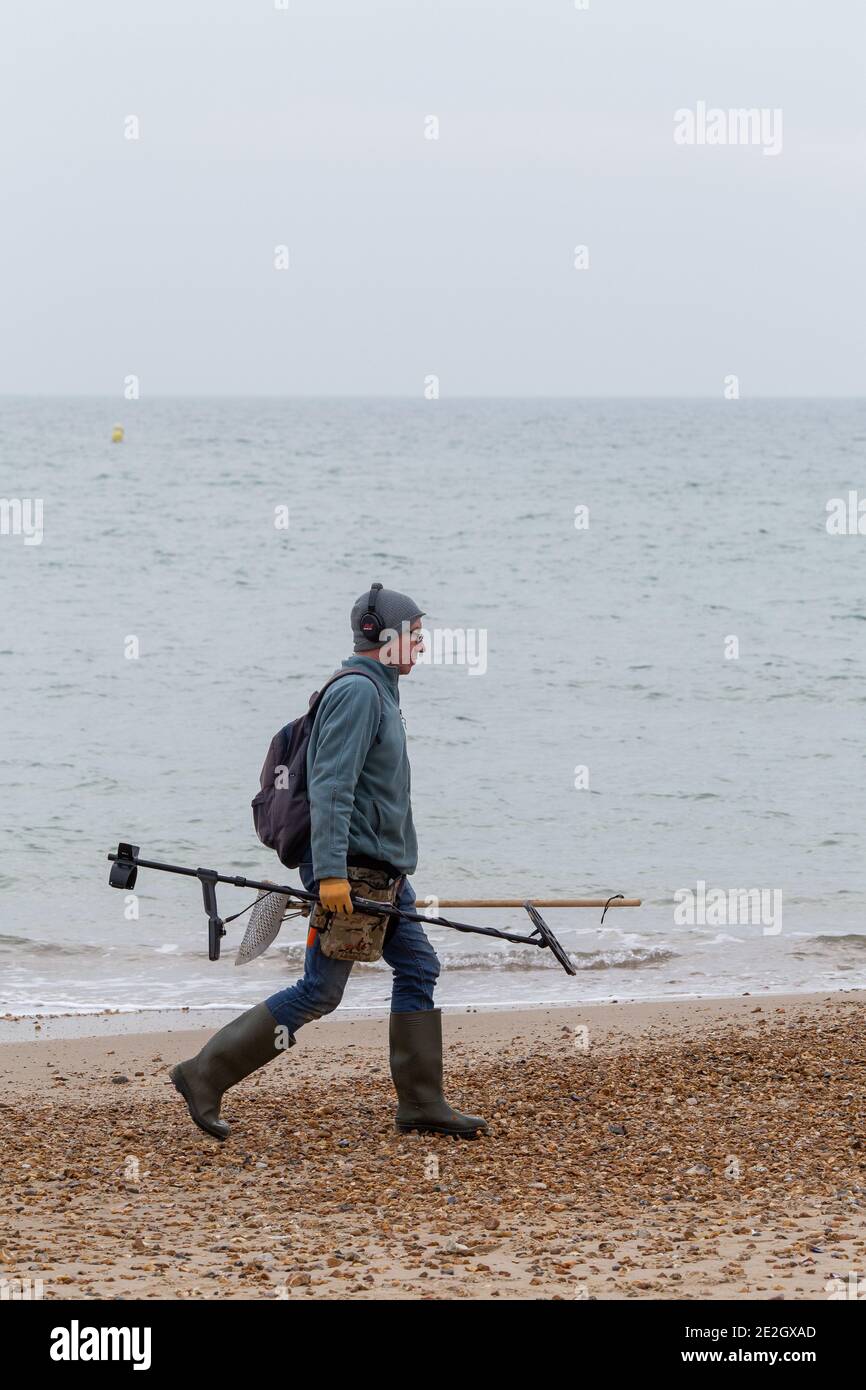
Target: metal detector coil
[{"x": 546, "y": 938}]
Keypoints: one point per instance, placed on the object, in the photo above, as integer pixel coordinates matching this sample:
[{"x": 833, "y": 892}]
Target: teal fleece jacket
[{"x": 358, "y": 776}]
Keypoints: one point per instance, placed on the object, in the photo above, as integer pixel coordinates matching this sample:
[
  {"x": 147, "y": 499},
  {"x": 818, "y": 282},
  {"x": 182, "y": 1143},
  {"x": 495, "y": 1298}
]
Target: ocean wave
[
  {"x": 855, "y": 941},
  {"x": 632, "y": 959},
  {"x": 526, "y": 958},
  {"x": 25, "y": 945},
  {"x": 292, "y": 954}
]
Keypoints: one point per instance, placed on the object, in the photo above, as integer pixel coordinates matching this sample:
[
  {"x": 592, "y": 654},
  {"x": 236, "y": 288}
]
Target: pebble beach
[{"x": 706, "y": 1149}]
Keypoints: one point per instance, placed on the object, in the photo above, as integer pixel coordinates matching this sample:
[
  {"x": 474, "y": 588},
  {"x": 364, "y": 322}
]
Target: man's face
[{"x": 403, "y": 649}]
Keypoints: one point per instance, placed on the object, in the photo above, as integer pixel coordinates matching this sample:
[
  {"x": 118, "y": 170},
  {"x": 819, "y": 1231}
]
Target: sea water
[{"x": 672, "y": 692}]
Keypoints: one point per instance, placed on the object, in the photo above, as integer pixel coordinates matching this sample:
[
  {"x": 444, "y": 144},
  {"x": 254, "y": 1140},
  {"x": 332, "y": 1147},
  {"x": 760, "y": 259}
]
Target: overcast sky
[{"x": 261, "y": 127}]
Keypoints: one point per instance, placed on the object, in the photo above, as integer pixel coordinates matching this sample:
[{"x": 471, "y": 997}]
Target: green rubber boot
[
  {"x": 244, "y": 1045},
  {"x": 416, "y": 1069}
]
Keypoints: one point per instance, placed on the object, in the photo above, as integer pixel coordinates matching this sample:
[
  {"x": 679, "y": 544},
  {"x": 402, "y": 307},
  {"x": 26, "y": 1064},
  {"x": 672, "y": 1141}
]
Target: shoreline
[
  {"x": 159, "y": 1019},
  {"x": 688, "y": 1149},
  {"x": 26, "y": 1062}
]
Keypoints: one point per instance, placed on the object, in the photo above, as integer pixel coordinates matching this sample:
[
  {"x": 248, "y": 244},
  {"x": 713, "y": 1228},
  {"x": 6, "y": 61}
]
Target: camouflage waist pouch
[{"x": 362, "y": 936}]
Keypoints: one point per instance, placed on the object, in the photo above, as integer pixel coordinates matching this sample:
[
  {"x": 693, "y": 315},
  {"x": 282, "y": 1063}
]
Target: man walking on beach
[{"x": 362, "y": 837}]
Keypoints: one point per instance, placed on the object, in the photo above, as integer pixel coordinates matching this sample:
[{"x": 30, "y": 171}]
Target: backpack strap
[{"x": 316, "y": 699}]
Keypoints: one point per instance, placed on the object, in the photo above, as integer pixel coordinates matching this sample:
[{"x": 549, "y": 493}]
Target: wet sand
[{"x": 697, "y": 1149}]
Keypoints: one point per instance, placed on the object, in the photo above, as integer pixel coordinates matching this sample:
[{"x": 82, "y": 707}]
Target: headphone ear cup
[{"x": 370, "y": 625}]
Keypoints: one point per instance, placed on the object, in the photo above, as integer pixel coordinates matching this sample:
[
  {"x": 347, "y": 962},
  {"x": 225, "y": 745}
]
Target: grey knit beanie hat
[{"x": 391, "y": 611}]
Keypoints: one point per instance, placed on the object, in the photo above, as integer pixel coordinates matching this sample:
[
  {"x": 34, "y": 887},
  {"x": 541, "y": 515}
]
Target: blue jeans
[{"x": 408, "y": 952}]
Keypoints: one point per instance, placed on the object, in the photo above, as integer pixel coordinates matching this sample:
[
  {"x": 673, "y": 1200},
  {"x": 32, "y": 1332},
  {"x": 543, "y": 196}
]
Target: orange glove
[{"x": 334, "y": 895}]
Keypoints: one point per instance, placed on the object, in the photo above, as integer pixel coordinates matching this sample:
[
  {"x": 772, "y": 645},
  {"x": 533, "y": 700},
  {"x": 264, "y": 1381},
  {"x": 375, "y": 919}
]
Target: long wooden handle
[{"x": 536, "y": 902}]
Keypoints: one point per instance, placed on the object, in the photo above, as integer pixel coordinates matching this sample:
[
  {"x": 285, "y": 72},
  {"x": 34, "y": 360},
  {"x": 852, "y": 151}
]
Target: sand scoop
[{"x": 268, "y": 913}]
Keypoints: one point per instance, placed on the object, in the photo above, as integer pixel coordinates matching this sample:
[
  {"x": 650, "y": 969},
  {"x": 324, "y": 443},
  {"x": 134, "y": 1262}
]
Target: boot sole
[
  {"x": 441, "y": 1129},
  {"x": 181, "y": 1087}
]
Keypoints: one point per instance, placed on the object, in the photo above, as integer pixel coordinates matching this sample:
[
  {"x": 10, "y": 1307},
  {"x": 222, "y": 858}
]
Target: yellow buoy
[{"x": 117, "y": 434}]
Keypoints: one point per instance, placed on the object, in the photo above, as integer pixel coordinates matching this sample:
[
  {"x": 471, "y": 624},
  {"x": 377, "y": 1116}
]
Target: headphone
[{"x": 370, "y": 624}]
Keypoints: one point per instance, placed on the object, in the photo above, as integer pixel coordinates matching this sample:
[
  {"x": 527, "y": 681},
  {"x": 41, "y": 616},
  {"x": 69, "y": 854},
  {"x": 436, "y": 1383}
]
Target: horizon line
[{"x": 420, "y": 400}]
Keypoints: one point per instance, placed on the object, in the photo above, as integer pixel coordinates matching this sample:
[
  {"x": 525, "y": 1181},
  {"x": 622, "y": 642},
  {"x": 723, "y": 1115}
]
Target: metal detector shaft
[{"x": 127, "y": 863}]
